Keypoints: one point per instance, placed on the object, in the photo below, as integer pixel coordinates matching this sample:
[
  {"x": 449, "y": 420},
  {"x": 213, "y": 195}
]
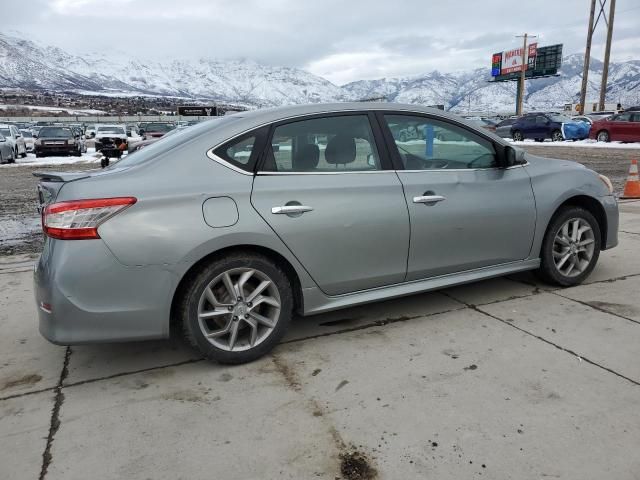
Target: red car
[{"x": 623, "y": 127}]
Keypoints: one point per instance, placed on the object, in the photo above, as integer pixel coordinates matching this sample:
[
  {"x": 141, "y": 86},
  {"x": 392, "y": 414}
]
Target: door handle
[
  {"x": 289, "y": 209},
  {"x": 429, "y": 199}
]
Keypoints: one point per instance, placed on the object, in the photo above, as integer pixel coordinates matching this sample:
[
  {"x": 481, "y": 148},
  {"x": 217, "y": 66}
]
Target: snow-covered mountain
[{"x": 26, "y": 64}]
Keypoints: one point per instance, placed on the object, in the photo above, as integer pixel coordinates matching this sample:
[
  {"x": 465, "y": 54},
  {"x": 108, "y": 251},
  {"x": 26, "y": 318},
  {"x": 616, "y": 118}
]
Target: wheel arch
[
  {"x": 590, "y": 204},
  {"x": 279, "y": 259}
]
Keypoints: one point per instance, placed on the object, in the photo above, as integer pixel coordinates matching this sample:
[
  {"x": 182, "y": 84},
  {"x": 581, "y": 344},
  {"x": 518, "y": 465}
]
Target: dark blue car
[{"x": 540, "y": 126}]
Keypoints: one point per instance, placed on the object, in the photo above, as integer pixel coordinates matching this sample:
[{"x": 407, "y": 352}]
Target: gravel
[{"x": 20, "y": 222}]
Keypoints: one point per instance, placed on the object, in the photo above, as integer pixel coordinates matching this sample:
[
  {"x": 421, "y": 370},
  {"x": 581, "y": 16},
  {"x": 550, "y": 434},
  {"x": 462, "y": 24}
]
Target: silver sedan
[{"x": 222, "y": 232}]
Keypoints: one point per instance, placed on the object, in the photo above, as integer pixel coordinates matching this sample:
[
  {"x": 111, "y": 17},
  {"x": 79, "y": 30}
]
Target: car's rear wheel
[
  {"x": 570, "y": 248},
  {"x": 603, "y": 136},
  {"x": 556, "y": 136},
  {"x": 237, "y": 308},
  {"x": 517, "y": 136}
]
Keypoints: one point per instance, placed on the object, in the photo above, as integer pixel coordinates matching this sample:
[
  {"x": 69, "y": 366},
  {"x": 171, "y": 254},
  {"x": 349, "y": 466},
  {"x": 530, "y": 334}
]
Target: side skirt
[{"x": 317, "y": 302}]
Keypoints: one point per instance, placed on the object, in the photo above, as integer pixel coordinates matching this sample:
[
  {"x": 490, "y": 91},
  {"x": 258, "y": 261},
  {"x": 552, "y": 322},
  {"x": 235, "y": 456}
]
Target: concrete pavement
[{"x": 506, "y": 378}]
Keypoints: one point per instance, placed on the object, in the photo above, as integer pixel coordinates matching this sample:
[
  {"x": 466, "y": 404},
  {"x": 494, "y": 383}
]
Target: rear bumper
[{"x": 84, "y": 295}]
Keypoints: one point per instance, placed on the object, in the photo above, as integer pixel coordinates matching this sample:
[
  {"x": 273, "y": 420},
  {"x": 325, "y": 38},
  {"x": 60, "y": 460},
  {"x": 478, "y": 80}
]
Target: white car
[
  {"x": 90, "y": 131},
  {"x": 29, "y": 141},
  {"x": 109, "y": 134},
  {"x": 14, "y": 138}
]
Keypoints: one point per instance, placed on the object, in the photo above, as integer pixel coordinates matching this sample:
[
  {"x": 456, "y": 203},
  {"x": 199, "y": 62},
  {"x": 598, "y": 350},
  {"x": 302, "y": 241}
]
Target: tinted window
[
  {"x": 435, "y": 144},
  {"x": 541, "y": 120},
  {"x": 623, "y": 117},
  {"x": 507, "y": 122},
  {"x": 238, "y": 152},
  {"x": 328, "y": 144},
  {"x": 54, "y": 132},
  {"x": 560, "y": 118}
]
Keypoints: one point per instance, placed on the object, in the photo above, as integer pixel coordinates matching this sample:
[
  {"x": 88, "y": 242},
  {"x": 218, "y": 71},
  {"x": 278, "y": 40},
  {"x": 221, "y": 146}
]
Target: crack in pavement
[
  {"x": 600, "y": 309},
  {"x": 55, "y": 415},
  {"x": 632, "y": 233},
  {"x": 549, "y": 342},
  {"x": 538, "y": 290}
]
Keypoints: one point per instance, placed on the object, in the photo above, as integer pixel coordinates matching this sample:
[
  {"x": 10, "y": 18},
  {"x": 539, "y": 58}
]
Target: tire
[
  {"x": 556, "y": 136},
  {"x": 602, "y": 136},
  {"x": 539, "y": 140},
  {"x": 517, "y": 136},
  {"x": 77, "y": 153},
  {"x": 12, "y": 159},
  {"x": 549, "y": 270},
  {"x": 222, "y": 348}
]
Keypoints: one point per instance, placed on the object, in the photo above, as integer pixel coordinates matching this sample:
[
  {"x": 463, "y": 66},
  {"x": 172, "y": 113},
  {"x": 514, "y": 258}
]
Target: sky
[{"x": 341, "y": 40}]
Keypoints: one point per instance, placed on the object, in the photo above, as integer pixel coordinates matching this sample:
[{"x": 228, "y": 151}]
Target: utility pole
[
  {"x": 607, "y": 53},
  {"x": 520, "y": 94},
  {"x": 587, "y": 58}
]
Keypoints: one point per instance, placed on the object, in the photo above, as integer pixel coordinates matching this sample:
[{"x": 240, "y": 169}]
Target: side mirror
[
  {"x": 509, "y": 156},
  {"x": 141, "y": 132},
  {"x": 2, "y": 139}
]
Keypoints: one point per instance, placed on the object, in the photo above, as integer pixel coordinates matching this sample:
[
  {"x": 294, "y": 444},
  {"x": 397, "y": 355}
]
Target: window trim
[
  {"x": 395, "y": 155},
  {"x": 385, "y": 164},
  {"x": 259, "y": 133}
]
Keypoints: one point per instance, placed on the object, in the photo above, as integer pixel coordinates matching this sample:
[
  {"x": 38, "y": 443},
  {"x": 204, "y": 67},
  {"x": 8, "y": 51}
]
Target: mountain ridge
[{"x": 28, "y": 65}]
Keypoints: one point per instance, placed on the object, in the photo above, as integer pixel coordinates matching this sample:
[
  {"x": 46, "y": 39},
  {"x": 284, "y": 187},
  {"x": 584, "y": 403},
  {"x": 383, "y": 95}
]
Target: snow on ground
[
  {"x": 89, "y": 157},
  {"x": 69, "y": 110},
  {"x": 579, "y": 143}
]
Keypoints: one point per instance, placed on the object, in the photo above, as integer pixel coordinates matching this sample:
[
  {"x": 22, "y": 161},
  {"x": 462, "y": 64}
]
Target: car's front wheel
[
  {"x": 237, "y": 308},
  {"x": 570, "y": 248},
  {"x": 517, "y": 136}
]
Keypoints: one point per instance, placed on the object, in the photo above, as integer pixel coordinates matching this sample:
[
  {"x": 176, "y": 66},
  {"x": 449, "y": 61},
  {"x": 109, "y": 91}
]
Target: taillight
[{"x": 80, "y": 219}]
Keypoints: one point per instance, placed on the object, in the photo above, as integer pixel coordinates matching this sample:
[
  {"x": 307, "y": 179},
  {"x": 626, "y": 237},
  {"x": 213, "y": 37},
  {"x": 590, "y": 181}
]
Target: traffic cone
[{"x": 632, "y": 187}]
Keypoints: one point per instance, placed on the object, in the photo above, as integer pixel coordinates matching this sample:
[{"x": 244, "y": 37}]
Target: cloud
[{"x": 341, "y": 40}]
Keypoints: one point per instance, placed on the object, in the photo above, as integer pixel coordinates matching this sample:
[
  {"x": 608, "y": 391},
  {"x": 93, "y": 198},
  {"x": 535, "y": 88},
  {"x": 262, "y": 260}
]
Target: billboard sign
[
  {"x": 512, "y": 59},
  {"x": 540, "y": 62},
  {"x": 204, "y": 111}
]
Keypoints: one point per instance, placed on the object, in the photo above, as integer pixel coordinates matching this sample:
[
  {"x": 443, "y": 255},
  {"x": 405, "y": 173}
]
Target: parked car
[
  {"x": 623, "y": 127},
  {"x": 503, "y": 129},
  {"x": 57, "y": 141},
  {"x": 14, "y": 138},
  {"x": 583, "y": 118},
  {"x": 29, "y": 141},
  {"x": 155, "y": 130},
  {"x": 540, "y": 126},
  {"x": 107, "y": 135},
  {"x": 90, "y": 131},
  {"x": 216, "y": 233},
  {"x": 7, "y": 154},
  {"x": 600, "y": 115},
  {"x": 135, "y": 146}
]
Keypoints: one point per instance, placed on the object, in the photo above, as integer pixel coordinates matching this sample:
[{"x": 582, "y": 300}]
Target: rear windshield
[
  {"x": 169, "y": 141},
  {"x": 119, "y": 130},
  {"x": 158, "y": 127},
  {"x": 54, "y": 132}
]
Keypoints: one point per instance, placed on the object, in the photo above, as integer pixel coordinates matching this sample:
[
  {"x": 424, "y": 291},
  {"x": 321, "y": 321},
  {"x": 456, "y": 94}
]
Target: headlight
[
  {"x": 38, "y": 142},
  {"x": 72, "y": 141},
  {"x": 607, "y": 182}
]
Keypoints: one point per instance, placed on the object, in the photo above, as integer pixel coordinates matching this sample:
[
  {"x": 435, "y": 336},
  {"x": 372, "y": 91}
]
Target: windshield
[
  {"x": 170, "y": 141},
  {"x": 118, "y": 130},
  {"x": 54, "y": 132},
  {"x": 5, "y": 132},
  {"x": 26, "y": 133},
  {"x": 158, "y": 127},
  {"x": 559, "y": 118}
]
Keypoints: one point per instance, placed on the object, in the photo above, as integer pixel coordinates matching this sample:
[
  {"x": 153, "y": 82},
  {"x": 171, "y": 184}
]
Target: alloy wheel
[
  {"x": 239, "y": 309},
  {"x": 557, "y": 136},
  {"x": 603, "y": 136},
  {"x": 517, "y": 136},
  {"x": 573, "y": 247}
]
